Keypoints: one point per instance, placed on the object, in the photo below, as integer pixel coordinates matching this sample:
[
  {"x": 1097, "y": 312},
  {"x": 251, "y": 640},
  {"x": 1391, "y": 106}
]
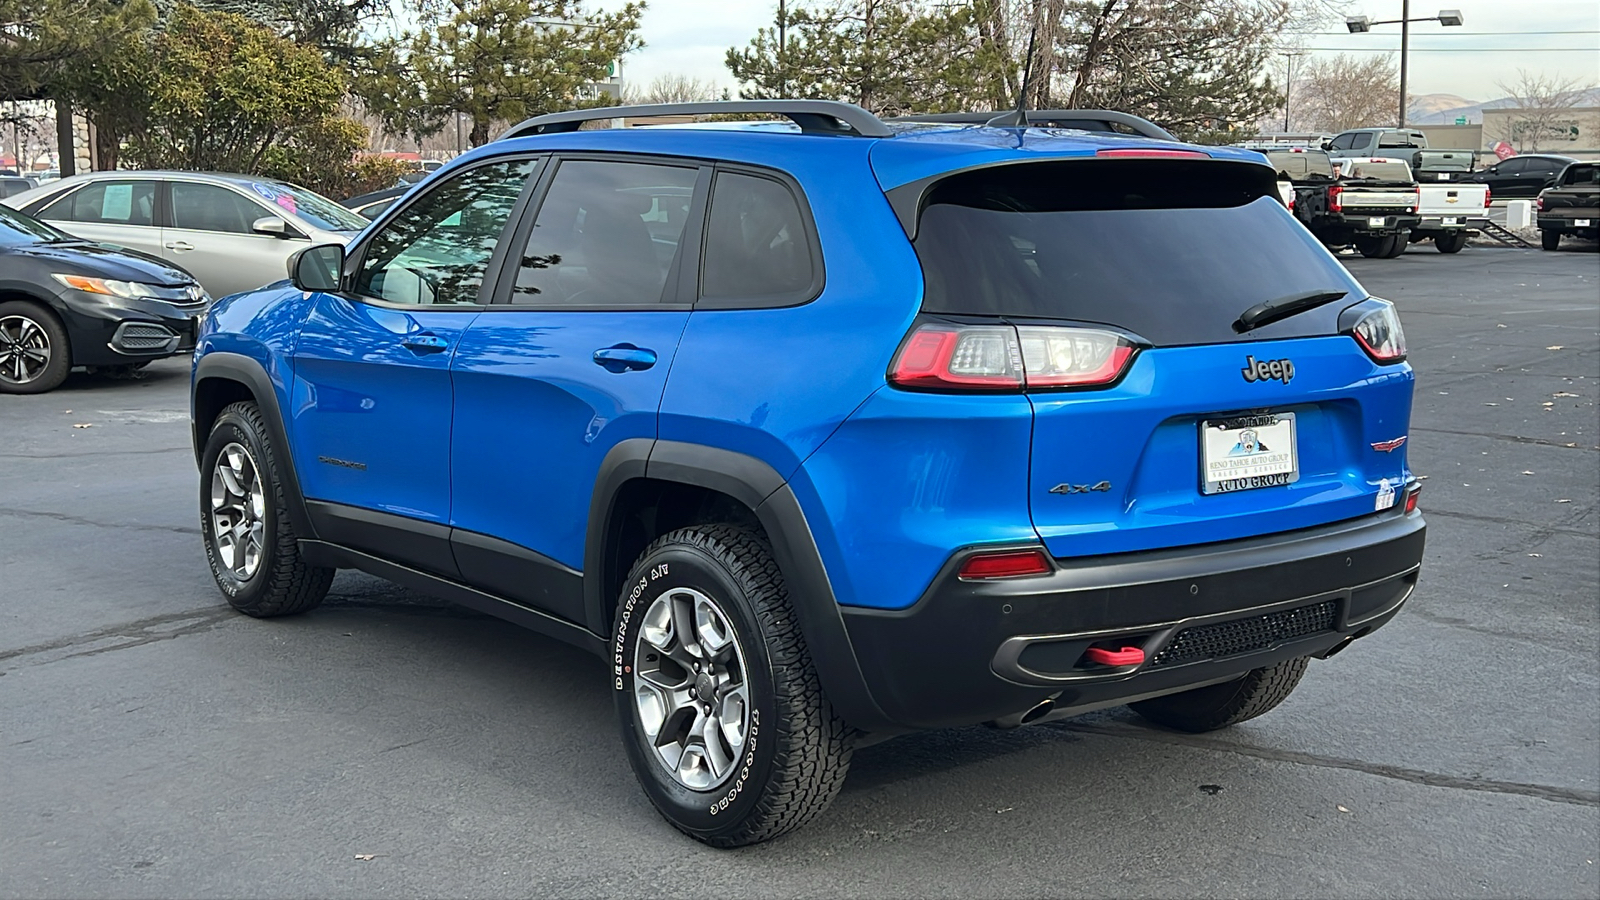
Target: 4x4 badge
[
  {"x": 1268, "y": 370},
  {"x": 1080, "y": 488}
]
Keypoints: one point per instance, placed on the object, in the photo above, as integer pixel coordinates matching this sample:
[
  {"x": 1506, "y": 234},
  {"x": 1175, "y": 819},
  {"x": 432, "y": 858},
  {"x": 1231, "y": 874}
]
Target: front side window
[
  {"x": 606, "y": 235},
  {"x": 211, "y": 207},
  {"x": 107, "y": 203},
  {"x": 757, "y": 247},
  {"x": 438, "y": 251}
]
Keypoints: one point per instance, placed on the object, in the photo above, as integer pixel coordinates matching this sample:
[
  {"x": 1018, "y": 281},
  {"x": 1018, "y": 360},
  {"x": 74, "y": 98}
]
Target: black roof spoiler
[
  {"x": 813, "y": 116},
  {"x": 1096, "y": 120}
]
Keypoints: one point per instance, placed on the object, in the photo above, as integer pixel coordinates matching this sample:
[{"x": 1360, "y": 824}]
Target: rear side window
[
  {"x": 107, "y": 203},
  {"x": 758, "y": 249},
  {"x": 1171, "y": 251}
]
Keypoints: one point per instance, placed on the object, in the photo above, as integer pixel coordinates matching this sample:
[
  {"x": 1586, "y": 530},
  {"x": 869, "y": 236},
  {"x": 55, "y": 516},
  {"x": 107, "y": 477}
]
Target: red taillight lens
[
  {"x": 1154, "y": 154},
  {"x": 1379, "y": 333},
  {"x": 1005, "y": 564},
  {"x": 1538, "y": 203},
  {"x": 1486, "y": 195},
  {"x": 1417, "y": 203},
  {"x": 1006, "y": 358},
  {"x": 1412, "y": 496},
  {"x": 1333, "y": 199}
]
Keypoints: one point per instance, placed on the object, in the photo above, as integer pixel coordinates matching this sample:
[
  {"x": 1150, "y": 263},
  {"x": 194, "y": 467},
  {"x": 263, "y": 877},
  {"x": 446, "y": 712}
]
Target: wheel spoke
[
  {"x": 731, "y": 711},
  {"x": 656, "y": 627},
  {"x": 711, "y": 629},
  {"x": 683, "y": 623}
]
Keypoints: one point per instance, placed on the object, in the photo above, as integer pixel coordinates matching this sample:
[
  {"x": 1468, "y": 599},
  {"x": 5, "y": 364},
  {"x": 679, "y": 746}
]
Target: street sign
[{"x": 1461, "y": 120}]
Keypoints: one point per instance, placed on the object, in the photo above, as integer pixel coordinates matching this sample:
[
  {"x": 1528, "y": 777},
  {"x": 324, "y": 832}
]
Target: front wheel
[
  {"x": 723, "y": 718},
  {"x": 1220, "y": 705},
  {"x": 251, "y": 545},
  {"x": 1550, "y": 239},
  {"x": 34, "y": 352},
  {"x": 1451, "y": 242}
]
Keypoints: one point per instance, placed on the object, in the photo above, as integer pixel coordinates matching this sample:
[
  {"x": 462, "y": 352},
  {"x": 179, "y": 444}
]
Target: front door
[
  {"x": 209, "y": 233},
  {"x": 373, "y": 399},
  {"x": 570, "y": 361}
]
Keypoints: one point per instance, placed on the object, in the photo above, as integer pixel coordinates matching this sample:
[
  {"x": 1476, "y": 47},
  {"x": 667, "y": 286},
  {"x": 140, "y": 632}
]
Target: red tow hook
[{"x": 1121, "y": 656}]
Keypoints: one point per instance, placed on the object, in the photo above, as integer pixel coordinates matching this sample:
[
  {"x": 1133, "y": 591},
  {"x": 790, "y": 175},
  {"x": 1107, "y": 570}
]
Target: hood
[{"x": 103, "y": 261}]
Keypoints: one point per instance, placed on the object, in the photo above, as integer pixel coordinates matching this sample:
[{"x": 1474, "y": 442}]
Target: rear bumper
[
  {"x": 977, "y": 651},
  {"x": 1567, "y": 224}
]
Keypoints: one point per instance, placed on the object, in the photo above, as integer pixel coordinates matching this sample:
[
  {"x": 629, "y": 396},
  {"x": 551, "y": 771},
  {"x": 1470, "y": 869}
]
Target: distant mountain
[{"x": 1444, "y": 109}]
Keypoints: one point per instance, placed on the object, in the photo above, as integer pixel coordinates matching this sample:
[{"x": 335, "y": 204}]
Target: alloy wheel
[
  {"x": 24, "y": 350},
  {"x": 238, "y": 511},
  {"x": 690, "y": 688}
]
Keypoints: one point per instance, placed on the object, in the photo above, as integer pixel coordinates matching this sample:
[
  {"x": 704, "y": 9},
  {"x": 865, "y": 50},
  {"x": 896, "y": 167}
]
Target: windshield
[
  {"x": 310, "y": 206},
  {"x": 1172, "y": 252},
  {"x": 1377, "y": 171},
  {"x": 17, "y": 228}
]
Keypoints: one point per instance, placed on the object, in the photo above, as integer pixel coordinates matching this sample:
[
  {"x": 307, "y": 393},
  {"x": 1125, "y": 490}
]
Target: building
[{"x": 1571, "y": 132}]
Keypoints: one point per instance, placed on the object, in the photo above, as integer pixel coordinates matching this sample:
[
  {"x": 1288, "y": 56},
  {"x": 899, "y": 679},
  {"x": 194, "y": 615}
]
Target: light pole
[
  {"x": 1288, "y": 85},
  {"x": 1362, "y": 25}
]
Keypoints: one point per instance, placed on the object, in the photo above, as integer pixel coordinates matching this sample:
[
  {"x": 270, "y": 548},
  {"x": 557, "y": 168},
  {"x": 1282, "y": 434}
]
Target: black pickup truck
[
  {"x": 1571, "y": 206},
  {"x": 1373, "y": 206}
]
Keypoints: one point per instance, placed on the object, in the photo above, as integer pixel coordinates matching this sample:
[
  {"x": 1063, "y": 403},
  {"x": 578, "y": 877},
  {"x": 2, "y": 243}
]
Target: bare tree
[
  {"x": 1335, "y": 93},
  {"x": 674, "y": 87},
  {"x": 1542, "y": 111}
]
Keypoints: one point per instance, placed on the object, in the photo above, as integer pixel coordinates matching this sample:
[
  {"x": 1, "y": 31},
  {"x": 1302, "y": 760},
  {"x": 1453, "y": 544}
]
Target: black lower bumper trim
[{"x": 975, "y": 651}]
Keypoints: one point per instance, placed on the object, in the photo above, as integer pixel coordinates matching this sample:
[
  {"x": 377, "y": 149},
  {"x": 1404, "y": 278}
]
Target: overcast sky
[{"x": 692, "y": 37}]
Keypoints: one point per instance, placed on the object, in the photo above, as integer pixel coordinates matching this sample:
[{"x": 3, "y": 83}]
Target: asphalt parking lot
[{"x": 153, "y": 743}]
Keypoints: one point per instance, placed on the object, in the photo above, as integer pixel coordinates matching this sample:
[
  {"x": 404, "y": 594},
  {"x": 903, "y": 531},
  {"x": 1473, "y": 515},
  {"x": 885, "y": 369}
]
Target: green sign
[{"x": 1461, "y": 120}]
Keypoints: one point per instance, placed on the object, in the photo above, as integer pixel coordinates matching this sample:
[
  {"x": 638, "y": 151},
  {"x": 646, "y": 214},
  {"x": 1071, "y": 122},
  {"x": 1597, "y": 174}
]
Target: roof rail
[
  {"x": 813, "y": 116},
  {"x": 1099, "y": 120}
]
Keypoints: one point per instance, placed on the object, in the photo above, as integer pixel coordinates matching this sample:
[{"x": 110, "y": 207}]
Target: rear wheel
[
  {"x": 34, "y": 353},
  {"x": 1372, "y": 247},
  {"x": 1451, "y": 242},
  {"x": 1549, "y": 239},
  {"x": 1220, "y": 705},
  {"x": 723, "y": 718},
  {"x": 1397, "y": 245}
]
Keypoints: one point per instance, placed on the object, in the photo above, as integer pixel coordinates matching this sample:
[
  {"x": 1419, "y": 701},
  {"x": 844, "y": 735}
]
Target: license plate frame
[
  {"x": 1449, "y": 220},
  {"x": 1583, "y": 223},
  {"x": 1376, "y": 221},
  {"x": 1265, "y": 430}
]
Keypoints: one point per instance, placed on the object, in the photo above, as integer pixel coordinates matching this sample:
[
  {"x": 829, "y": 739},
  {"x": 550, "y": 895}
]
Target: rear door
[
  {"x": 373, "y": 398},
  {"x": 121, "y": 212},
  {"x": 571, "y": 360},
  {"x": 1208, "y": 434},
  {"x": 210, "y": 233}
]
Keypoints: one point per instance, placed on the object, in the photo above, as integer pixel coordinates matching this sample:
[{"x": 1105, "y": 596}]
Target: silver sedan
[{"x": 231, "y": 232}]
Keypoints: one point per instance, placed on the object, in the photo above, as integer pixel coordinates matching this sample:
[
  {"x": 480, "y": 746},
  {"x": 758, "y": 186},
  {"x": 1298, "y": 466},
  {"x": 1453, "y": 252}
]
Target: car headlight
[{"x": 133, "y": 290}]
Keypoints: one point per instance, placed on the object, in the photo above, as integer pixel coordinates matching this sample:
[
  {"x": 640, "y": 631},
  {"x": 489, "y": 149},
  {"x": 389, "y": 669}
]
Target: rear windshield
[
  {"x": 1171, "y": 251},
  {"x": 1578, "y": 173},
  {"x": 1376, "y": 171}
]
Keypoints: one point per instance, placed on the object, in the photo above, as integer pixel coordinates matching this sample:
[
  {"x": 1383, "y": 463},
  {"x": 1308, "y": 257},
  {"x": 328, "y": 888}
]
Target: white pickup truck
[{"x": 1447, "y": 210}]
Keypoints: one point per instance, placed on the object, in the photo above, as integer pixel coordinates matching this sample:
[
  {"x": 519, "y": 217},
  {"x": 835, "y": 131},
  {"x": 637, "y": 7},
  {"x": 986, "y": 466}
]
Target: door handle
[
  {"x": 424, "y": 343},
  {"x": 623, "y": 357},
  {"x": 180, "y": 246}
]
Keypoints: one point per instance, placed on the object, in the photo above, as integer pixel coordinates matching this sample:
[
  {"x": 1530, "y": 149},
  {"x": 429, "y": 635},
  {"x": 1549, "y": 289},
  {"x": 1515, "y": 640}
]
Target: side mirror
[
  {"x": 1326, "y": 145},
  {"x": 317, "y": 268},
  {"x": 270, "y": 225}
]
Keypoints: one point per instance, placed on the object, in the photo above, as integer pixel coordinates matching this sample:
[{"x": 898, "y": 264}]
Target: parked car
[
  {"x": 1446, "y": 212},
  {"x": 1521, "y": 177},
  {"x": 374, "y": 204},
  {"x": 1572, "y": 206},
  {"x": 65, "y": 302},
  {"x": 12, "y": 185},
  {"x": 963, "y": 424},
  {"x": 1409, "y": 145},
  {"x": 233, "y": 232},
  {"x": 1370, "y": 203}
]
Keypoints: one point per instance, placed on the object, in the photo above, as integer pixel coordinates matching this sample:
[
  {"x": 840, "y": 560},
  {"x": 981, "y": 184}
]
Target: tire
[
  {"x": 278, "y": 582},
  {"x": 125, "y": 372},
  {"x": 1220, "y": 705},
  {"x": 794, "y": 751},
  {"x": 1550, "y": 239},
  {"x": 1450, "y": 242},
  {"x": 1371, "y": 247},
  {"x": 35, "y": 354},
  {"x": 1397, "y": 245}
]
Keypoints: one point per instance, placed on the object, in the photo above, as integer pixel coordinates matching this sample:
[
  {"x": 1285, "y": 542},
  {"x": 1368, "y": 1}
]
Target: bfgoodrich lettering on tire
[
  {"x": 251, "y": 546},
  {"x": 723, "y": 718}
]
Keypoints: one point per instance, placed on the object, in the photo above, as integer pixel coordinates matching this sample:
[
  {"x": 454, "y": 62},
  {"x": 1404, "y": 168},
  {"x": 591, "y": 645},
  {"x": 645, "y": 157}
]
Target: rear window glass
[
  {"x": 1577, "y": 174},
  {"x": 1376, "y": 171},
  {"x": 1171, "y": 251},
  {"x": 757, "y": 246},
  {"x": 1299, "y": 165}
]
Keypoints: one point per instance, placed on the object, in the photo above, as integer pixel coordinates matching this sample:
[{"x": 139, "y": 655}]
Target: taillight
[
  {"x": 1486, "y": 195},
  {"x": 1538, "y": 203},
  {"x": 1417, "y": 203},
  {"x": 1154, "y": 154},
  {"x": 1379, "y": 333},
  {"x": 947, "y": 356},
  {"x": 1333, "y": 199},
  {"x": 1005, "y": 564},
  {"x": 1412, "y": 496}
]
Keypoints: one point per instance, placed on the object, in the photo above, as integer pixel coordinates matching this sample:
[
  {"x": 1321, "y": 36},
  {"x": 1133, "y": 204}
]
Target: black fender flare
[
  {"x": 239, "y": 368},
  {"x": 759, "y": 487}
]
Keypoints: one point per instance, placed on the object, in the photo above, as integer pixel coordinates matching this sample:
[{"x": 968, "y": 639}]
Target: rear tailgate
[
  {"x": 1169, "y": 255},
  {"x": 1443, "y": 165},
  {"x": 1453, "y": 201}
]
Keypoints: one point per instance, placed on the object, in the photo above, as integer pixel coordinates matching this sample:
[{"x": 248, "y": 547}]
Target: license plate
[
  {"x": 1444, "y": 176},
  {"x": 1375, "y": 222},
  {"x": 1582, "y": 223},
  {"x": 1447, "y": 220},
  {"x": 1248, "y": 452}
]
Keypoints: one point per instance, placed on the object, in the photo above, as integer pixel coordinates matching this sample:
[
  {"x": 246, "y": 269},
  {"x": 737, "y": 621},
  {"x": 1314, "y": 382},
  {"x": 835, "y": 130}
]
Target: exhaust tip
[{"x": 1038, "y": 712}]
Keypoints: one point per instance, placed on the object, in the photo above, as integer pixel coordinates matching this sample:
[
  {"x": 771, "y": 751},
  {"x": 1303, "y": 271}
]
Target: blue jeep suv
[{"x": 824, "y": 430}]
